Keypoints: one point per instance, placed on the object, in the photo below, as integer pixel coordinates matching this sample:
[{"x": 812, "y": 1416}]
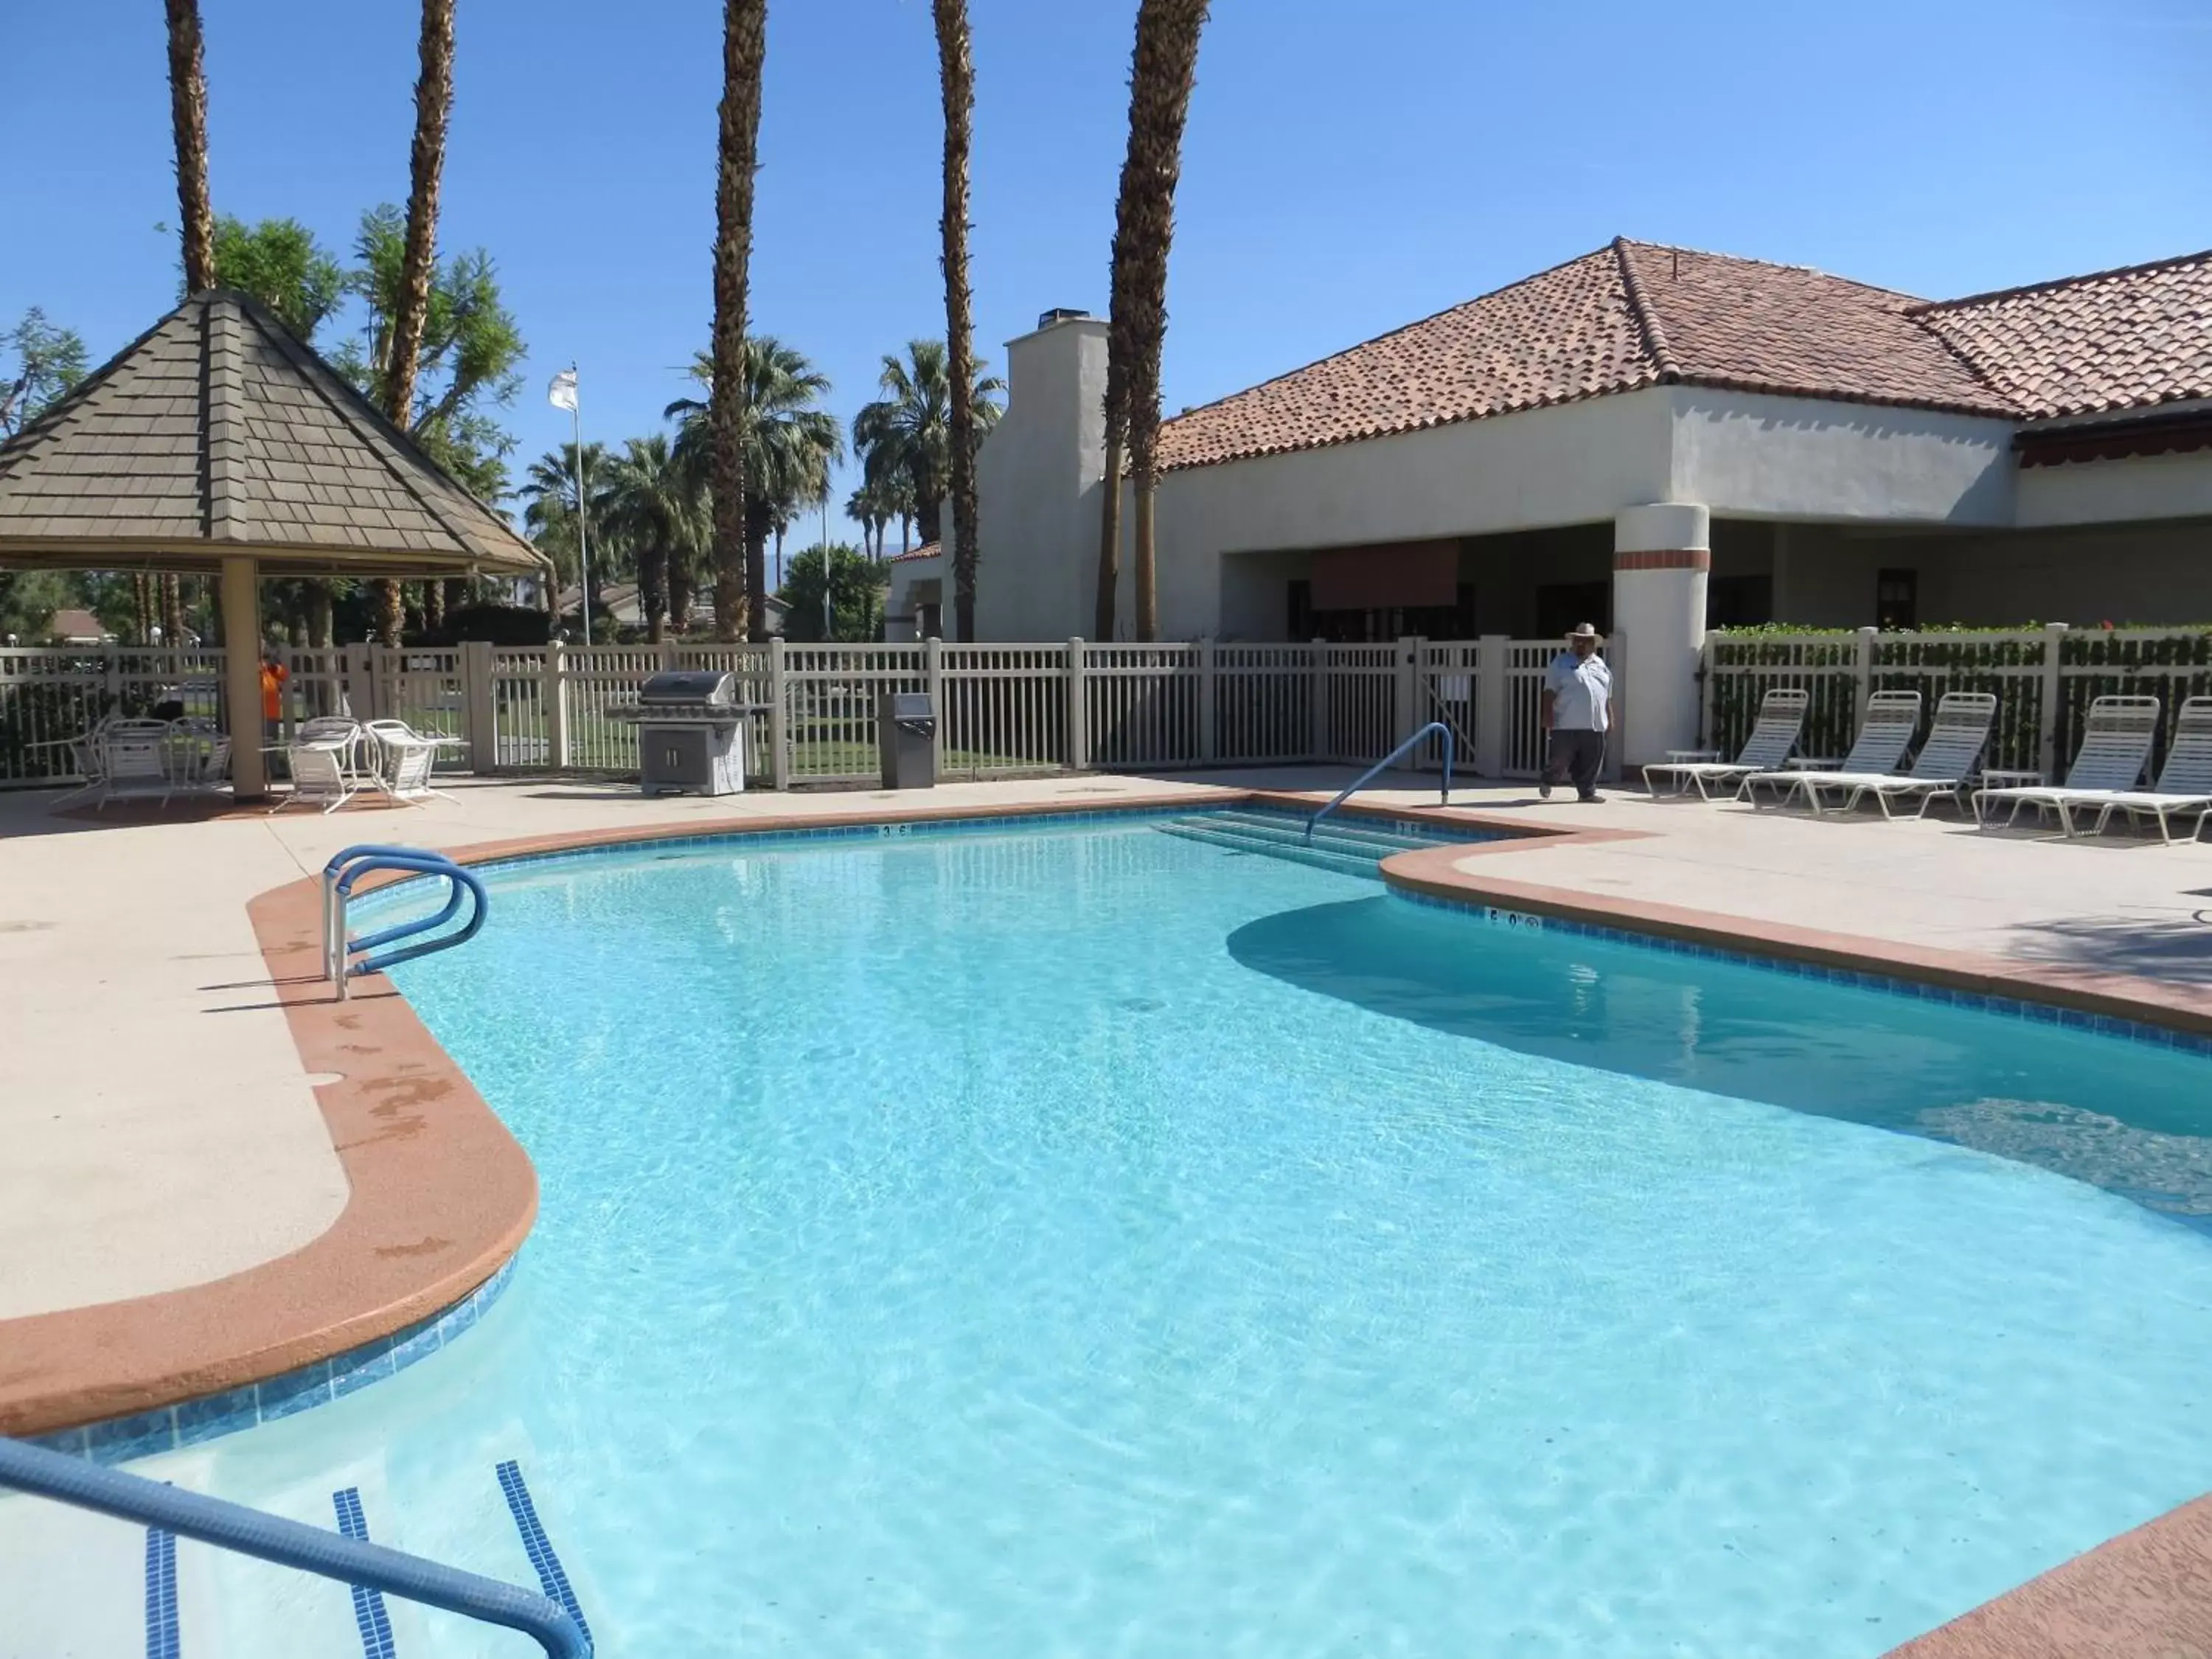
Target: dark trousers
[{"x": 1575, "y": 758}]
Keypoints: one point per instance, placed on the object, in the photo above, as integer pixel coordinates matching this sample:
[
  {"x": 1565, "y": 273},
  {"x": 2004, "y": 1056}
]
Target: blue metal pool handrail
[
  {"x": 266, "y": 1537},
  {"x": 1436, "y": 727},
  {"x": 347, "y": 866}
]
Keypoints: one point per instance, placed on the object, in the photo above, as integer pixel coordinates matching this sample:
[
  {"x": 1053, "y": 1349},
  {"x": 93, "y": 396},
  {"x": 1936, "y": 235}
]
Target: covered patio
[{"x": 218, "y": 444}]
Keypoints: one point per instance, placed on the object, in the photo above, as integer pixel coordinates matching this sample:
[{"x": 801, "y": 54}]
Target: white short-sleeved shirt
[{"x": 1581, "y": 692}]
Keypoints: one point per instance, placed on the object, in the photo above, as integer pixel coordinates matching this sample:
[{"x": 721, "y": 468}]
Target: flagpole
[{"x": 583, "y": 549}]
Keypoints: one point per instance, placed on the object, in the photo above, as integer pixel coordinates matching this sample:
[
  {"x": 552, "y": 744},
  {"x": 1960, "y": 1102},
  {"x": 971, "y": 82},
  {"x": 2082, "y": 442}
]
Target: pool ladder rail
[
  {"x": 1436, "y": 729},
  {"x": 347, "y": 1557},
  {"x": 345, "y": 959}
]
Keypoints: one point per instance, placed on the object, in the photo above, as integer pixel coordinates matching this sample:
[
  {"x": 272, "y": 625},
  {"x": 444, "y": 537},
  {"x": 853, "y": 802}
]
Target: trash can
[{"x": 906, "y": 732}]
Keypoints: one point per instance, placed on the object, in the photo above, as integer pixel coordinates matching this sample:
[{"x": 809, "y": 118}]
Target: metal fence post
[
  {"x": 669, "y": 662},
  {"x": 779, "y": 717},
  {"x": 933, "y": 660},
  {"x": 1863, "y": 672},
  {"x": 361, "y": 681},
  {"x": 1079, "y": 715},
  {"x": 479, "y": 706},
  {"x": 1321, "y": 745},
  {"x": 554, "y": 695},
  {"x": 113, "y": 688},
  {"x": 2053, "y": 697},
  {"x": 1493, "y": 705},
  {"x": 1208, "y": 738}
]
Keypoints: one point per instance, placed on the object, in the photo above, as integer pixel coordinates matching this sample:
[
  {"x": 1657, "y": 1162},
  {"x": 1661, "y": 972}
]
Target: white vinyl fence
[
  {"x": 1003, "y": 710},
  {"x": 2044, "y": 678}
]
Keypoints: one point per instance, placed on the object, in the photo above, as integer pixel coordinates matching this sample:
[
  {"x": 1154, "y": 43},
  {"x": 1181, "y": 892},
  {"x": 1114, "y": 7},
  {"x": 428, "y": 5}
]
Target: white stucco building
[{"x": 1655, "y": 440}]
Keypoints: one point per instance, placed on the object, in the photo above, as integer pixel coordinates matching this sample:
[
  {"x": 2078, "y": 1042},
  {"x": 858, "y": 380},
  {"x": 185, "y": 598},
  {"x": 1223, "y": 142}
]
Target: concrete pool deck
[{"x": 163, "y": 1120}]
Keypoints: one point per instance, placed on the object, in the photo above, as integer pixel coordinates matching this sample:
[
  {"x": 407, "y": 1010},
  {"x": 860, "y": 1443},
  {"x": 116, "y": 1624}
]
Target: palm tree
[
  {"x": 909, "y": 429},
  {"x": 188, "y": 124},
  {"x": 1164, "y": 69},
  {"x": 791, "y": 442},
  {"x": 549, "y": 510},
  {"x": 196, "y": 216},
  {"x": 654, "y": 506},
  {"x": 738, "y": 589},
  {"x": 956, "y": 74}
]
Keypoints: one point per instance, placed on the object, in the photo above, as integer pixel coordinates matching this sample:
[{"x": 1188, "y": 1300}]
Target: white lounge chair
[
  {"x": 2185, "y": 782},
  {"x": 1885, "y": 733},
  {"x": 2116, "y": 744},
  {"x": 322, "y": 760},
  {"x": 1773, "y": 735},
  {"x": 402, "y": 760},
  {"x": 1944, "y": 763},
  {"x": 134, "y": 760}
]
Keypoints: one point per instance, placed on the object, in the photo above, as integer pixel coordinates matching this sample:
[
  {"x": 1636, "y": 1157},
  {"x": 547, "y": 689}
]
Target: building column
[
  {"x": 1661, "y": 557},
  {"x": 240, "y": 602}
]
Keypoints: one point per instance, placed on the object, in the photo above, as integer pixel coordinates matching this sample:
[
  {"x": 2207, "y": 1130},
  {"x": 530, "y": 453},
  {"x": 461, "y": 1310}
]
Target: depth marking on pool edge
[
  {"x": 369, "y": 1616},
  {"x": 162, "y": 1638},
  {"x": 539, "y": 1546}
]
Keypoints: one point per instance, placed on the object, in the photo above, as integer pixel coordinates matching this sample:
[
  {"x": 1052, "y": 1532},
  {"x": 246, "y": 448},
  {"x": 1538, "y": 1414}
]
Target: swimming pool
[{"x": 1083, "y": 1240}]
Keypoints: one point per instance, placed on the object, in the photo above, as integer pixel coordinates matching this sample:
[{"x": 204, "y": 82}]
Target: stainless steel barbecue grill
[{"x": 690, "y": 732}]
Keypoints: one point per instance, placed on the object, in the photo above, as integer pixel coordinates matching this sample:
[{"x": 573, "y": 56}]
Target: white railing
[
  {"x": 1003, "y": 710},
  {"x": 2043, "y": 680}
]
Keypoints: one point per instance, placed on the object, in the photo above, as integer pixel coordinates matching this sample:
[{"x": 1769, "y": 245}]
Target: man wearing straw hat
[{"x": 1578, "y": 712}]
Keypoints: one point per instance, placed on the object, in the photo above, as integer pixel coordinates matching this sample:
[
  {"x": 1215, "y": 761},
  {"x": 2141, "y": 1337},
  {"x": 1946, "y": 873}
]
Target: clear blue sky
[{"x": 1347, "y": 169}]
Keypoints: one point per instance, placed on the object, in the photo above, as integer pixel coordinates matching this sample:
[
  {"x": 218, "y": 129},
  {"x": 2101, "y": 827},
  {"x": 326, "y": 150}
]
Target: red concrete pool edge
[
  {"x": 2145, "y": 1595},
  {"x": 441, "y": 1196}
]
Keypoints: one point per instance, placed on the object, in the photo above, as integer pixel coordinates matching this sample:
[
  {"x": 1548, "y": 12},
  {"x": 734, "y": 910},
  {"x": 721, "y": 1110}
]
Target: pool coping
[{"x": 441, "y": 1195}]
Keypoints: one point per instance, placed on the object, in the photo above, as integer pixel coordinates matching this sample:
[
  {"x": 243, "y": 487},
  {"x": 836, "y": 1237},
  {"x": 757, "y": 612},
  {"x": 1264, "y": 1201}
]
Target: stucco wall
[
  {"x": 2103, "y": 492},
  {"x": 1803, "y": 458},
  {"x": 1576, "y": 464},
  {"x": 1037, "y": 482}
]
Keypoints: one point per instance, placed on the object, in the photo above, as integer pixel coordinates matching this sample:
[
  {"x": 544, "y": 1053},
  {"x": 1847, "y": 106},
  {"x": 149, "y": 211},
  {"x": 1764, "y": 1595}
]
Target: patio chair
[
  {"x": 2185, "y": 782},
  {"x": 401, "y": 760},
  {"x": 2116, "y": 744},
  {"x": 1943, "y": 765},
  {"x": 322, "y": 760},
  {"x": 1885, "y": 733},
  {"x": 134, "y": 760},
  {"x": 87, "y": 753},
  {"x": 1773, "y": 735}
]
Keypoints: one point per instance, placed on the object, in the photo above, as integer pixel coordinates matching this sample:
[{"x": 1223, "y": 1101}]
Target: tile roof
[
  {"x": 926, "y": 550},
  {"x": 1634, "y": 314},
  {"x": 216, "y": 432},
  {"x": 2115, "y": 340}
]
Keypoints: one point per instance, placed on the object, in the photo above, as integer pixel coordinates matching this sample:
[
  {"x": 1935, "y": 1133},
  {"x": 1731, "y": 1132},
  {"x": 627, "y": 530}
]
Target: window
[
  {"x": 1739, "y": 601},
  {"x": 1897, "y": 598},
  {"x": 1455, "y": 620},
  {"x": 1302, "y": 611}
]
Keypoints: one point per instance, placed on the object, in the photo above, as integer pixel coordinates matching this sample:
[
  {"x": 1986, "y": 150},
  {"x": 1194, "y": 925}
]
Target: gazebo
[{"x": 216, "y": 443}]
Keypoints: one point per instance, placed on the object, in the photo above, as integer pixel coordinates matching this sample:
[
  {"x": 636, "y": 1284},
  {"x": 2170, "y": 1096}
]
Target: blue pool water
[{"x": 1087, "y": 1242}]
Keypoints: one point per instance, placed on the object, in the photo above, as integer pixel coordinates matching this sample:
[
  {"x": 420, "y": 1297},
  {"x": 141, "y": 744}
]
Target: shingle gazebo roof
[{"x": 217, "y": 433}]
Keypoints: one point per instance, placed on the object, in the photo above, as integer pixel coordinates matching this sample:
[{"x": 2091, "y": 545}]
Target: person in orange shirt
[{"x": 273, "y": 676}]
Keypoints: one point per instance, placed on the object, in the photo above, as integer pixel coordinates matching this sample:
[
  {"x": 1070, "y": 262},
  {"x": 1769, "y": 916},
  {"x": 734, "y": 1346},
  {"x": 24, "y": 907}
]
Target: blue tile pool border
[
  {"x": 1442, "y": 832},
  {"x": 193, "y": 1422},
  {"x": 1489, "y": 911}
]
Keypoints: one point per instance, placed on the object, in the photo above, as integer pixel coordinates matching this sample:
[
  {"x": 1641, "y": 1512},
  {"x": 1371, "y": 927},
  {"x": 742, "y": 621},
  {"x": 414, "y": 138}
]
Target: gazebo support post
[{"x": 241, "y": 675}]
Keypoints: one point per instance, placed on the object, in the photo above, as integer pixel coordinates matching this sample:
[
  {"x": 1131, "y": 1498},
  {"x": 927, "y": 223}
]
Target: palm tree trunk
[
  {"x": 653, "y": 589},
  {"x": 188, "y": 119},
  {"x": 956, "y": 74},
  {"x": 322, "y": 622},
  {"x": 1109, "y": 521},
  {"x": 434, "y": 105},
  {"x": 1160, "y": 80},
  {"x": 758, "y": 523},
  {"x": 744, "y": 46}
]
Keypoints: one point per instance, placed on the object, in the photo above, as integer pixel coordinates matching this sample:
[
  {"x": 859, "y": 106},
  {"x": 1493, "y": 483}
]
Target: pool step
[
  {"x": 77, "y": 1583},
  {"x": 1348, "y": 849}
]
